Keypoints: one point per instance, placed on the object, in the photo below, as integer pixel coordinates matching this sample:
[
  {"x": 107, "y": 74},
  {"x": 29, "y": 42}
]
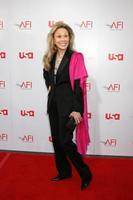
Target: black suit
[
  {"x": 61, "y": 102},
  {"x": 67, "y": 100}
]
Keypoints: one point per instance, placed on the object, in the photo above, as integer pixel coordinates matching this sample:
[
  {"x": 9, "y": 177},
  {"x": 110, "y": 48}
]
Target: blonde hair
[{"x": 51, "y": 49}]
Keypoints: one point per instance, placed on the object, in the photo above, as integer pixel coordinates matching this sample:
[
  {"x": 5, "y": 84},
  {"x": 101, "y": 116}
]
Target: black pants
[{"x": 63, "y": 145}]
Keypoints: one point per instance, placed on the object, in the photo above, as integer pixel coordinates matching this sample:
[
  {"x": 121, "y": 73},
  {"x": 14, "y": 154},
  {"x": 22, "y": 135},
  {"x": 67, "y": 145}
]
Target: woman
[{"x": 65, "y": 74}]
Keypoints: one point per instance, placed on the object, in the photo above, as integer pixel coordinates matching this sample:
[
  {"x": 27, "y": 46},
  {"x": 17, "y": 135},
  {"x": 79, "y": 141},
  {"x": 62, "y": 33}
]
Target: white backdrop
[{"x": 103, "y": 31}]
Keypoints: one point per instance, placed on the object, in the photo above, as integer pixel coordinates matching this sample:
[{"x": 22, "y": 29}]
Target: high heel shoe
[
  {"x": 85, "y": 182},
  {"x": 61, "y": 177}
]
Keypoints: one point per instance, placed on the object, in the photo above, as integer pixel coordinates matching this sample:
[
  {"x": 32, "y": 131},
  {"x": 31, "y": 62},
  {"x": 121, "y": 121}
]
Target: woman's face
[{"x": 61, "y": 39}]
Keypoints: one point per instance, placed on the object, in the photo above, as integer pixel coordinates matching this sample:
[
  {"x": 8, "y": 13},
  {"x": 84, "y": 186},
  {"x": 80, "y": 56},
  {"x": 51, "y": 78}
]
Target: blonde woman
[{"x": 65, "y": 74}]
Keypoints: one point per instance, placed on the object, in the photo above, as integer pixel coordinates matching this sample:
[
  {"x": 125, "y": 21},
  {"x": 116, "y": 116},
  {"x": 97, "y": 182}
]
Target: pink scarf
[{"x": 77, "y": 70}]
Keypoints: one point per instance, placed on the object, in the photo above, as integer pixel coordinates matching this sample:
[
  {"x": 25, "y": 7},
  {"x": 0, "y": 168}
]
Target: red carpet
[{"x": 26, "y": 176}]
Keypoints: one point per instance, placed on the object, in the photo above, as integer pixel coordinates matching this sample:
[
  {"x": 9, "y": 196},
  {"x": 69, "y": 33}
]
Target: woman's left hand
[{"x": 77, "y": 116}]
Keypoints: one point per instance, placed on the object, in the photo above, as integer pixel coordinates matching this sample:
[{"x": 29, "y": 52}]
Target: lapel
[{"x": 64, "y": 62}]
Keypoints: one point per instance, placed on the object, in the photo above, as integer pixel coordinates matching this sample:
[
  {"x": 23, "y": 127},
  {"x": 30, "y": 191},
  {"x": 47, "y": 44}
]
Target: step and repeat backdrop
[{"x": 103, "y": 33}]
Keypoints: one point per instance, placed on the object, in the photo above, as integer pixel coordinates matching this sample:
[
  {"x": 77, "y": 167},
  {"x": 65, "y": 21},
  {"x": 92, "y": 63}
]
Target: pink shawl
[{"x": 77, "y": 70}]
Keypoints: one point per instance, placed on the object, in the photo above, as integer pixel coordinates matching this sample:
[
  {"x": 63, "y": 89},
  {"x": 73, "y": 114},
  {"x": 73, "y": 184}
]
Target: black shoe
[
  {"x": 61, "y": 177},
  {"x": 85, "y": 182}
]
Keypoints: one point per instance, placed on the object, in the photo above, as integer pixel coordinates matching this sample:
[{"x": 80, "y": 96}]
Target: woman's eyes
[{"x": 59, "y": 36}]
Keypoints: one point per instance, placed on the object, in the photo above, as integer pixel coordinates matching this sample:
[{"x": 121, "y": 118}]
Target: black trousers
[{"x": 64, "y": 147}]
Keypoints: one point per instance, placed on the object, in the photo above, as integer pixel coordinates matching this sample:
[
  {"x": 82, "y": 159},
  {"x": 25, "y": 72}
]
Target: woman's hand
[{"x": 77, "y": 116}]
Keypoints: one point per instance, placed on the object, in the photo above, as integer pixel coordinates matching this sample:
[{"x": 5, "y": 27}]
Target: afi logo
[
  {"x": 1, "y": 25},
  {"x": 89, "y": 115},
  {"x": 88, "y": 86},
  {"x": 110, "y": 142},
  {"x": 28, "y": 113},
  {"x": 27, "y": 138},
  {"x": 50, "y": 139},
  {"x": 51, "y": 23},
  {"x": 3, "y": 137},
  {"x": 4, "y": 112},
  {"x": 25, "y": 25},
  {"x": 2, "y": 55},
  {"x": 113, "y": 87},
  {"x": 116, "y": 25},
  {"x": 86, "y": 24},
  {"x": 25, "y": 85},
  {"x": 115, "y": 116},
  {"x": 28, "y": 55},
  {"x": 2, "y": 84},
  {"x": 118, "y": 57}
]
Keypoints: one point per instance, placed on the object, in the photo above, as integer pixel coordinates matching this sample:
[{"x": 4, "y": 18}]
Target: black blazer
[{"x": 66, "y": 99}]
